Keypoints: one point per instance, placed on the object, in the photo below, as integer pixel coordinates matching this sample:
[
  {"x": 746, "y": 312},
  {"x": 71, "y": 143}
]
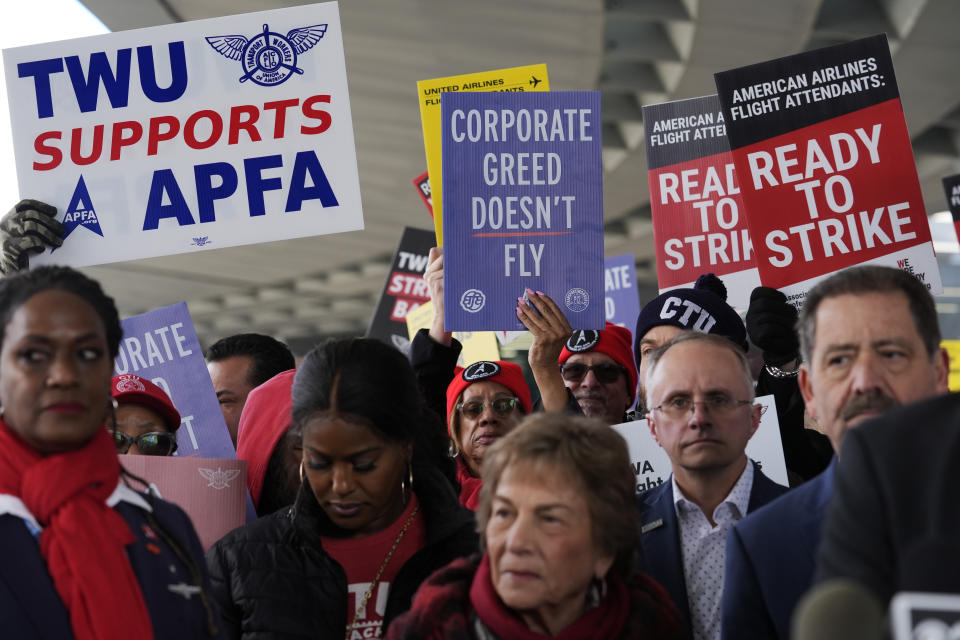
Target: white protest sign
[
  {"x": 183, "y": 137},
  {"x": 652, "y": 465}
]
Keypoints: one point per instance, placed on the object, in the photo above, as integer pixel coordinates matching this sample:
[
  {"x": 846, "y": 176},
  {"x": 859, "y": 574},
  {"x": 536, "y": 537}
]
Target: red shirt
[{"x": 361, "y": 559}]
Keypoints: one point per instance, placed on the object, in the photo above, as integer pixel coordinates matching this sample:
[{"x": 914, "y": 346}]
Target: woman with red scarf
[
  {"x": 559, "y": 542},
  {"x": 81, "y": 555}
]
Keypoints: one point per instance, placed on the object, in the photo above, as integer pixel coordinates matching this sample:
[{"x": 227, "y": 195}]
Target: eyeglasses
[
  {"x": 155, "y": 443},
  {"x": 604, "y": 373},
  {"x": 500, "y": 406},
  {"x": 718, "y": 406}
]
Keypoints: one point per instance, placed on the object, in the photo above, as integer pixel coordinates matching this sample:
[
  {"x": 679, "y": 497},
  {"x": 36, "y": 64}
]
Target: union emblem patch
[{"x": 268, "y": 58}]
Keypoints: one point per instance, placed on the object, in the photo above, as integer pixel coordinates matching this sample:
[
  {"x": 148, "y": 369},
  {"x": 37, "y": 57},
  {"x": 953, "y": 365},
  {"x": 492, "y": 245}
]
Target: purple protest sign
[
  {"x": 523, "y": 206},
  {"x": 161, "y": 345},
  {"x": 622, "y": 304}
]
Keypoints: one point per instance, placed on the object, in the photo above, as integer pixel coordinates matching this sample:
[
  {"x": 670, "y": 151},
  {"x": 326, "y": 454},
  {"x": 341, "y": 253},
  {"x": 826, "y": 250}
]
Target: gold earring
[
  {"x": 406, "y": 484},
  {"x": 301, "y": 472}
]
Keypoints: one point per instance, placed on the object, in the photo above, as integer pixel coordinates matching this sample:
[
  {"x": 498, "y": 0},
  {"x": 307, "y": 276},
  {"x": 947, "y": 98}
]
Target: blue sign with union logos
[{"x": 523, "y": 203}]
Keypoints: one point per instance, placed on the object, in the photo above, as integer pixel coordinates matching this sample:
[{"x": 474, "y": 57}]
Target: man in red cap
[
  {"x": 145, "y": 420},
  {"x": 596, "y": 368}
]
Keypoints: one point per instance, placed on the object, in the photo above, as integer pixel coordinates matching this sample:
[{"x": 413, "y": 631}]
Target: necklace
[{"x": 376, "y": 579}]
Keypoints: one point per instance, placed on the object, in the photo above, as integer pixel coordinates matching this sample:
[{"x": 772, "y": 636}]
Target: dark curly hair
[
  {"x": 20, "y": 287},
  {"x": 368, "y": 378}
]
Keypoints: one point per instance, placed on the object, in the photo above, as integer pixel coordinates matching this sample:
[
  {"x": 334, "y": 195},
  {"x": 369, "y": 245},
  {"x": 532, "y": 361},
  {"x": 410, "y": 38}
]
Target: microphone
[{"x": 838, "y": 609}]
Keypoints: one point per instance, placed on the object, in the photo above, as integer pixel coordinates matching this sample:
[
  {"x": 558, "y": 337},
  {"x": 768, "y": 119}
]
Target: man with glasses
[
  {"x": 596, "y": 375},
  {"x": 870, "y": 342},
  {"x": 770, "y": 320},
  {"x": 701, "y": 308},
  {"x": 145, "y": 422},
  {"x": 702, "y": 413},
  {"x": 597, "y": 367}
]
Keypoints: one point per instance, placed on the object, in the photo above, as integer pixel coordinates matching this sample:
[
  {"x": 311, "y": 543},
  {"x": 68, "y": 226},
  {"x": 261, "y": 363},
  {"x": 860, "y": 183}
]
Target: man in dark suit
[
  {"x": 870, "y": 342},
  {"x": 894, "y": 518},
  {"x": 703, "y": 414}
]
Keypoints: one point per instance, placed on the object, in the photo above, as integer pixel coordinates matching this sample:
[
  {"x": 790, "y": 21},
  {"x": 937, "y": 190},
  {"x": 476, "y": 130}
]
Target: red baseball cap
[
  {"x": 128, "y": 388},
  {"x": 506, "y": 373},
  {"x": 613, "y": 341}
]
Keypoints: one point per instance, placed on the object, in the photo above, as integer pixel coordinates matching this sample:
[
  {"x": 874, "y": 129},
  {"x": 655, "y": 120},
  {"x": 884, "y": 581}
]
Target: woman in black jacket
[{"x": 375, "y": 515}]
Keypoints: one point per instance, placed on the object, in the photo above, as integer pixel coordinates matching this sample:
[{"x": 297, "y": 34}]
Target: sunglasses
[
  {"x": 155, "y": 443},
  {"x": 500, "y": 406},
  {"x": 604, "y": 373}
]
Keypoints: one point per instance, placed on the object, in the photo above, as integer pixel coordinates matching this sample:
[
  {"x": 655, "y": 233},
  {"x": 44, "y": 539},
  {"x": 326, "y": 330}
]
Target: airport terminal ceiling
[{"x": 636, "y": 52}]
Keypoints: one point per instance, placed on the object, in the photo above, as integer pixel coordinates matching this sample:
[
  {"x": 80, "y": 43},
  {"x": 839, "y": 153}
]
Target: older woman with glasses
[
  {"x": 558, "y": 528},
  {"x": 145, "y": 421},
  {"x": 485, "y": 401},
  {"x": 482, "y": 402}
]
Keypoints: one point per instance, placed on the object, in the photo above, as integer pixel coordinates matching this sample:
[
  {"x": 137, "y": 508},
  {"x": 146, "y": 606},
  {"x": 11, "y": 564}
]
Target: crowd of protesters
[{"x": 420, "y": 499}]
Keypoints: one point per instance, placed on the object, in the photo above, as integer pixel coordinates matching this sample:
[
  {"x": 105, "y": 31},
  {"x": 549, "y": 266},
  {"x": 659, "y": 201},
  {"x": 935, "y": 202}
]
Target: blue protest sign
[
  {"x": 622, "y": 304},
  {"x": 161, "y": 345},
  {"x": 523, "y": 203}
]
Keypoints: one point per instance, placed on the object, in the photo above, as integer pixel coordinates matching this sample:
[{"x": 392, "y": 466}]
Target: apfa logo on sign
[
  {"x": 268, "y": 58},
  {"x": 80, "y": 212}
]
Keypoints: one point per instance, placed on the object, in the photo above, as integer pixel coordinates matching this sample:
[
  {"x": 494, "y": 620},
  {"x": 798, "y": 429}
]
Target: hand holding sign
[
  {"x": 29, "y": 228},
  {"x": 434, "y": 279},
  {"x": 550, "y": 329}
]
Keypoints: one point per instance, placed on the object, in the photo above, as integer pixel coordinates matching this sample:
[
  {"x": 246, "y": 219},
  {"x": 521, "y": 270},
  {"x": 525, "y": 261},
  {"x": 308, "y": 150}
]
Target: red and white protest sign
[
  {"x": 826, "y": 167},
  {"x": 422, "y": 183},
  {"x": 699, "y": 224}
]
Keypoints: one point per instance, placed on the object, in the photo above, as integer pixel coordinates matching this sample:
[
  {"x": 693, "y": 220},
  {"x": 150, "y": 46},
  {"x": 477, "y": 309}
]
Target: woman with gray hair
[{"x": 559, "y": 533}]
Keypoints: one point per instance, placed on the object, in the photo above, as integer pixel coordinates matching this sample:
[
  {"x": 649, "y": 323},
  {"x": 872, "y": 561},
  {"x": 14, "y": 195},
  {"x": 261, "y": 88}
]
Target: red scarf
[
  {"x": 83, "y": 539},
  {"x": 603, "y": 622},
  {"x": 469, "y": 485}
]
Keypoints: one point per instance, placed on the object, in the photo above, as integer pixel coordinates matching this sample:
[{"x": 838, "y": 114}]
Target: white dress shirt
[{"x": 703, "y": 548}]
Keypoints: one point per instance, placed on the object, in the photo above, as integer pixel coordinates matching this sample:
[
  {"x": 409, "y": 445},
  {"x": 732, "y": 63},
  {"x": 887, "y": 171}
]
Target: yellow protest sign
[
  {"x": 477, "y": 345},
  {"x": 530, "y": 78},
  {"x": 953, "y": 349}
]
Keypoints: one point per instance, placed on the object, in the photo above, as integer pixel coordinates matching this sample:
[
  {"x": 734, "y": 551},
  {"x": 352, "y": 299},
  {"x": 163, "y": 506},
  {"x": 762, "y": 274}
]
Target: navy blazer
[
  {"x": 770, "y": 561},
  {"x": 660, "y": 548},
  {"x": 893, "y": 520},
  {"x": 30, "y": 607}
]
